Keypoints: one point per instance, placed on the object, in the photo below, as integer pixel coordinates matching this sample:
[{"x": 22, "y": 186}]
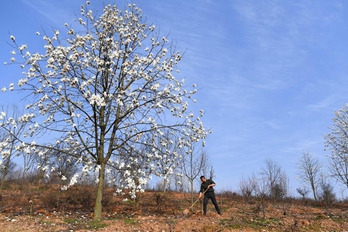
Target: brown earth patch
[{"x": 46, "y": 208}]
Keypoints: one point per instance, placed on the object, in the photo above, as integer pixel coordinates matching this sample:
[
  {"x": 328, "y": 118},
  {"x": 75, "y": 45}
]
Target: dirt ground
[{"x": 46, "y": 208}]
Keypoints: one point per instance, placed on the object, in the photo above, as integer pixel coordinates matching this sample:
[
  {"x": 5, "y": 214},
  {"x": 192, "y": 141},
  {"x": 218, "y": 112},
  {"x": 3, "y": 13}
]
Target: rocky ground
[{"x": 46, "y": 208}]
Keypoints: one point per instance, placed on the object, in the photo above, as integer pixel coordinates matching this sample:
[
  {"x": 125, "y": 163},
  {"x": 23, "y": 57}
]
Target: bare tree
[
  {"x": 29, "y": 163},
  {"x": 103, "y": 87},
  {"x": 63, "y": 166},
  {"x": 275, "y": 179},
  {"x": 303, "y": 192},
  {"x": 247, "y": 187},
  {"x": 337, "y": 143},
  {"x": 193, "y": 164},
  {"x": 309, "y": 170},
  {"x": 211, "y": 172},
  {"x": 8, "y": 172},
  {"x": 178, "y": 180},
  {"x": 168, "y": 157},
  {"x": 261, "y": 190},
  {"x": 9, "y": 138},
  {"x": 327, "y": 194}
]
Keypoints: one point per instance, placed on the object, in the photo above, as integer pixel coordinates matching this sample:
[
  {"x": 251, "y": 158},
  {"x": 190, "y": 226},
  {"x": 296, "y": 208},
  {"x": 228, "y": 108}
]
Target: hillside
[{"x": 46, "y": 208}]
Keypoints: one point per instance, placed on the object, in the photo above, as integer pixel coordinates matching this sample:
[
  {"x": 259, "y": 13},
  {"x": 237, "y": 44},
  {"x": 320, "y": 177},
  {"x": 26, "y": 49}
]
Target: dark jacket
[{"x": 204, "y": 186}]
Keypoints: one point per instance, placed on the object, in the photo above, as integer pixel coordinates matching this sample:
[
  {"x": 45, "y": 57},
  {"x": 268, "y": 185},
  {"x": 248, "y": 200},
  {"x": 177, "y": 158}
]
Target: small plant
[
  {"x": 52, "y": 199},
  {"x": 130, "y": 221},
  {"x": 338, "y": 219},
  {"x": 320, "y": 217},
  {"x": 96, "y": 224},
  {"x": 71, "y": 220},
  {"x": 261, "y": 222},
  {"x": 30, "y": 208},
  {"x": 160, "y": 200},
  {"x": 79, "y": 198},
  {"x": 47, "y": 223}
]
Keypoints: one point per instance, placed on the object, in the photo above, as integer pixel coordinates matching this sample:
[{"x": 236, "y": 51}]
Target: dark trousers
[{"x": 207, "y": 196}]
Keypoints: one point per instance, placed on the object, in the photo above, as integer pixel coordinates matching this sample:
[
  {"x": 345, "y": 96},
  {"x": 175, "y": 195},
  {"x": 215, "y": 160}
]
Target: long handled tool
[{"x": 186, "y": 211}]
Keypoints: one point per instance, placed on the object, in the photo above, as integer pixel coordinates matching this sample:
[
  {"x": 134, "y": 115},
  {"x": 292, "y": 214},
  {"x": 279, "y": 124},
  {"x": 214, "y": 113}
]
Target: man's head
[{"x": 203, "y": 179}]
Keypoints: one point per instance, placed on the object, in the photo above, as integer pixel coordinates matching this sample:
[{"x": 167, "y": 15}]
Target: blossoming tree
[
  {"x": 336, "y": 143},
  {"x": 106, "y": 90}
]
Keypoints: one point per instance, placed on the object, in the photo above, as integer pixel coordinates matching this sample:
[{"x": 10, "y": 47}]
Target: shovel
[{"x": 186, "y": 211}]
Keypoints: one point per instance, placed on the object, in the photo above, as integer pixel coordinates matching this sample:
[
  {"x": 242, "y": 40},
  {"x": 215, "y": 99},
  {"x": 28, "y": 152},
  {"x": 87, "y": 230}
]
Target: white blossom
[
  {"x": 22, "y": 47},
  {"x": 95, "y": 85}
]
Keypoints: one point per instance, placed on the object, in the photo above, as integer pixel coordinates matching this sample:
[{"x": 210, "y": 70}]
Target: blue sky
[{"x": 270, "y": 73}]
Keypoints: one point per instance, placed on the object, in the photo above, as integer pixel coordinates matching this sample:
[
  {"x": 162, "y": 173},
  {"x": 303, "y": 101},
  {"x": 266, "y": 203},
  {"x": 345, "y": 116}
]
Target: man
[{"x": 209, "y": 194}]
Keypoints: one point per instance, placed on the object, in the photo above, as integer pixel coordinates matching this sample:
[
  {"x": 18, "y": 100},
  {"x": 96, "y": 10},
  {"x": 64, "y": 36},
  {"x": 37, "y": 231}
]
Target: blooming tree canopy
[
  {"x": 337, "y": 143},
  {"x": 106, "y": 90}
]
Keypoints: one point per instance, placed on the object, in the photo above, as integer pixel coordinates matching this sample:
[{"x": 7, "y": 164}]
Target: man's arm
[
  {"x": 200, "y": 195},
  {"x": 201, "y": 192},
  {"x": 211, "y": 184}
]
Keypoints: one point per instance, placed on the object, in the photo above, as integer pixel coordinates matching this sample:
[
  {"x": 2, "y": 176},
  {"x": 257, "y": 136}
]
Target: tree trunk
[
  {"x": 164, "y": 185},
  {"x": 191, "y": 191},
  {"x": 98, "y": 201},
  {"x": 2, "y": 180},
  {"x": 314, "y": 190},
  {"x": 4, "y": 173}
]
